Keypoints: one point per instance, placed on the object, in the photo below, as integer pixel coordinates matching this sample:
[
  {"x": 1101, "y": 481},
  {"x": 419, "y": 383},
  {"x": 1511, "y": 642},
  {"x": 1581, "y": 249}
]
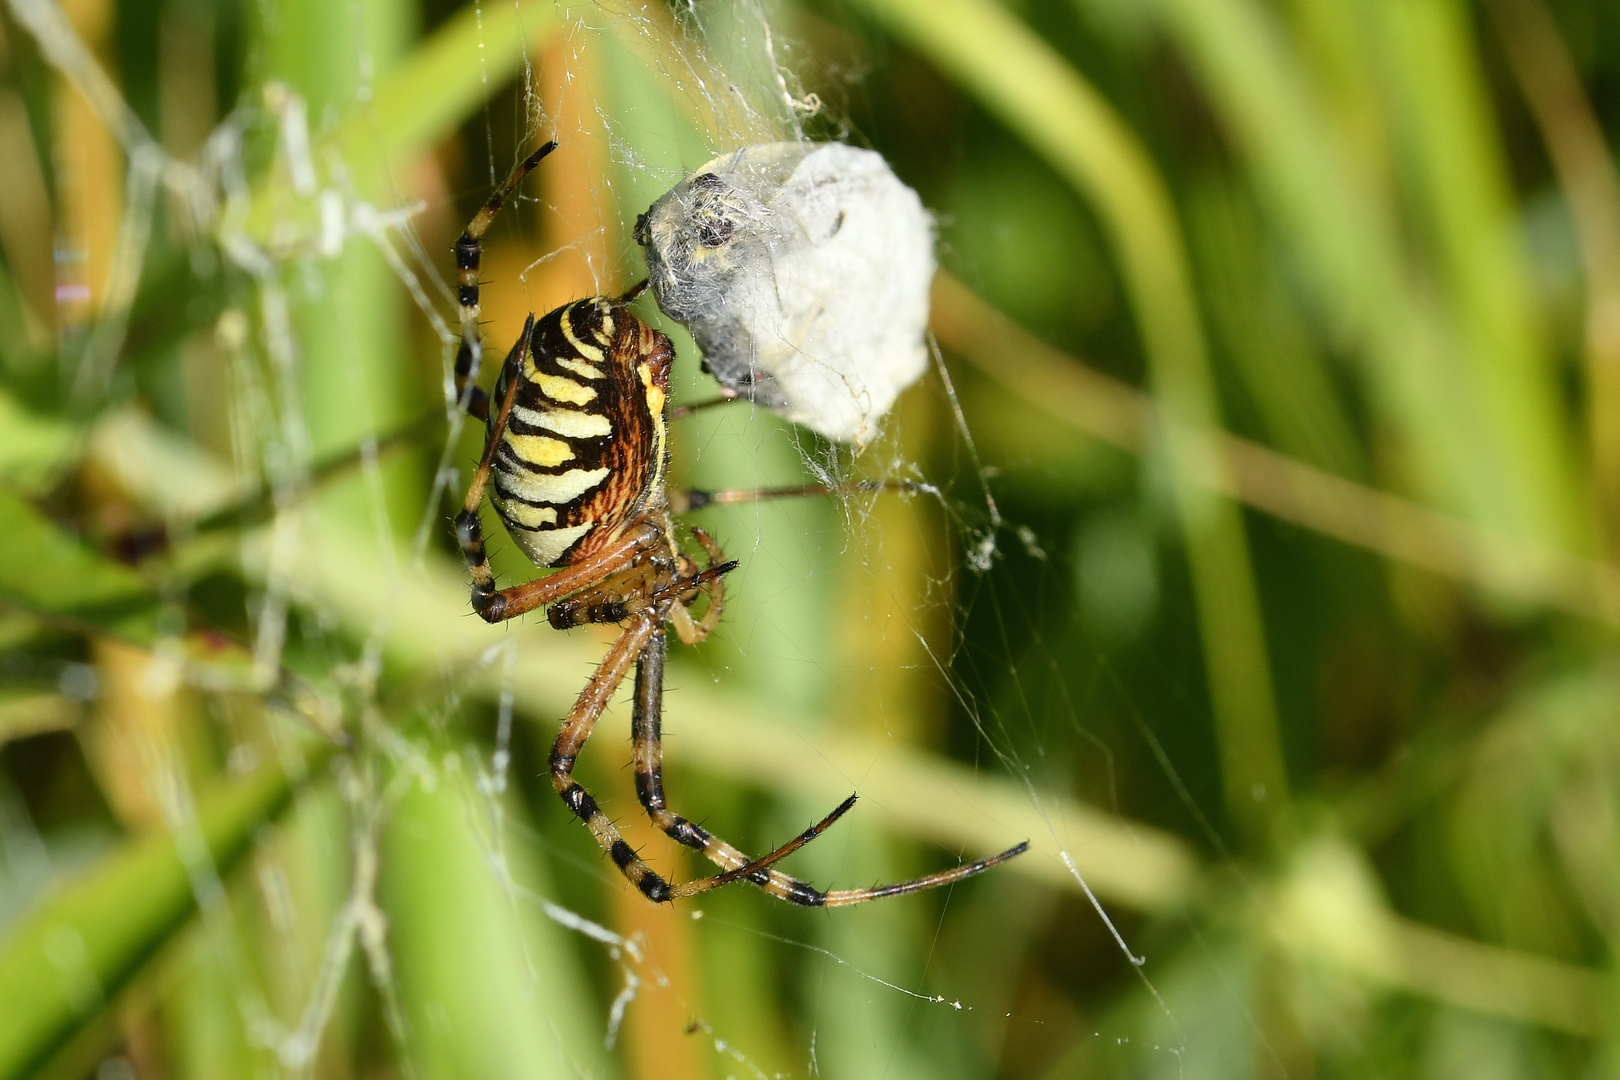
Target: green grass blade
[
  {"x": 447, "y": 76},
  {"x": 1030, "y": 88},
  {"x": 416, "y": 102},
  {"x": 62, "y": 963},
  {"x": 1457, "y": 370},
  {"x": 34, "y": 450},
  {"x": 488, "y": 985},
  {"x": 1461, "y": 187},
  {"x": 1264, "y": 333}
]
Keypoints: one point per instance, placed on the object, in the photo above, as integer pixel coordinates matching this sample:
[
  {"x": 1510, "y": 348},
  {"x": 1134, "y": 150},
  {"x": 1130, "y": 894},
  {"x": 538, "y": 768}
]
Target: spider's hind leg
[
  {"x": 577, "y": 728},
  {"x": 649, "y": 760},
  {"x": 646, "y": 728}
]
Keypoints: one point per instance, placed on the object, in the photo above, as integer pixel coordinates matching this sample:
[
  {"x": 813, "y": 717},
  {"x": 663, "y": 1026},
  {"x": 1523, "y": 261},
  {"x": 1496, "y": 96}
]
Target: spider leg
[
  {"x": 492, "y": 437},
  {"x": 645, "y": 582},
  {"x": 681, "y": 502},
  {"x": 470, "y": 353},
  {"x": 469, "y": 531},
  {"x": 577, "y": 728},
  {"x": 846, "y": 897},
  {"x": 497, "y": 605},
  {"x": 757, "y": 869},
  {"x": 646, "y": 731},
  {"x": 680, "y": 617},
  {"x": 678, "y": 411},
  {"x": 649, "y": 761}
]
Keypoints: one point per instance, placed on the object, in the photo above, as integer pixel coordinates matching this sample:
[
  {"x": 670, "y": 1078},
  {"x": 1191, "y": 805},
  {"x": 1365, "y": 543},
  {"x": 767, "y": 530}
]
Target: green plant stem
[
  {"x": 62, "y": 964},
  {"x": 488, "y": 985},
  {"x": 1580, "y": 154},
  {"x": 1290, "y": 490},
  {"x": 416, "y": 102},
  {"x": 1452, "y": 360}
]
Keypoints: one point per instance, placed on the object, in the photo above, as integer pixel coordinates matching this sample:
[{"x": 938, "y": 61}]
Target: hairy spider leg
[
  {"x": 497, "y": 605},
  {"x": 646, "y": 731},
  {"x": 577, "y": 728},
  {"x": 470, "y": 353},
  {"x": 649, "y": 581}
]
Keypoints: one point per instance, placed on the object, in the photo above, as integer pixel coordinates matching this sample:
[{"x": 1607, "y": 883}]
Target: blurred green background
[{"x": 1272, "y": 592}]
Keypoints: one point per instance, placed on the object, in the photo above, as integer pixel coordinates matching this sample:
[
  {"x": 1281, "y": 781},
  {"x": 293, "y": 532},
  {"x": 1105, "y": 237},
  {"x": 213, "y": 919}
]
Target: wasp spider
[{"x": 575, "y": 445}]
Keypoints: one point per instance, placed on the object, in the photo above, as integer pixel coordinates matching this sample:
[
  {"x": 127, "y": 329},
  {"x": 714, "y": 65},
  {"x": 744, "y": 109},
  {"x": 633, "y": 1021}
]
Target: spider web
[{"x": 846, "y": 644}]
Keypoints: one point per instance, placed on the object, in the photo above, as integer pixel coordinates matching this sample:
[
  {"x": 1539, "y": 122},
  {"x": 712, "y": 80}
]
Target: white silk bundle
[{"x": 802, "y": 270}]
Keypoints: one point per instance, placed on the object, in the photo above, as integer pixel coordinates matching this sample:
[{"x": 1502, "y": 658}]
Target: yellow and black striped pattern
[{"x": 583, "y": 449}]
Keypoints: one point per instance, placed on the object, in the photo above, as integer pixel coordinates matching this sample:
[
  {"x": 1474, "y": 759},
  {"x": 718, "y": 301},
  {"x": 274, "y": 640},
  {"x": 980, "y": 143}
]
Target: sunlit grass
[{"x": 1312, "y": 387}]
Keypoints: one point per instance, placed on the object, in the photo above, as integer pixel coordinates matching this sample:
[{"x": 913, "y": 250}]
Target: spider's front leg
[
  {"x": 469, "y": 252},
  {"x": 646, "y": 731}
]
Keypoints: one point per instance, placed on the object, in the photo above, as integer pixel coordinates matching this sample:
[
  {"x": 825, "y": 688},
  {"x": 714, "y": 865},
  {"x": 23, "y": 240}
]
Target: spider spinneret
[{"x": 575, "y": 441}]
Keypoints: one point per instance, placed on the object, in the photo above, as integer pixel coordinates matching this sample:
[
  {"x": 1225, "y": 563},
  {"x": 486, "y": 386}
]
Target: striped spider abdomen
[{"x": 583, "y": 449}]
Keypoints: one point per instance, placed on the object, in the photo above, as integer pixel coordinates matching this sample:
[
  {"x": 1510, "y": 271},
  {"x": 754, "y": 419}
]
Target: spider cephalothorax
[{"x": 576, "y": 445}]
